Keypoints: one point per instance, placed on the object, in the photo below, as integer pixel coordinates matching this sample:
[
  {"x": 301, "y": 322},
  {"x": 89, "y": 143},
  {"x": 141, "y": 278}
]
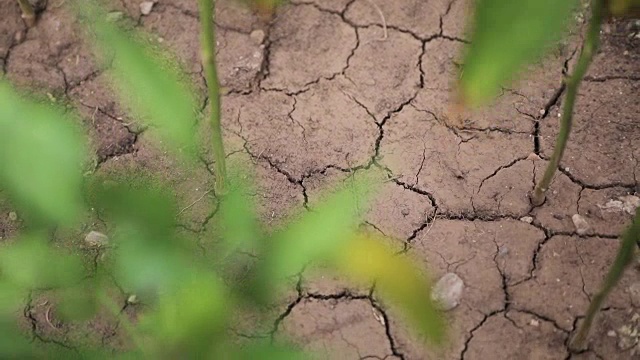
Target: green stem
[
  {"x": 208, "y": 49},
  {"x": 28, "y": 14},
  {"x": 589, "y": 49},
  {"x": 624, "y": 257}
]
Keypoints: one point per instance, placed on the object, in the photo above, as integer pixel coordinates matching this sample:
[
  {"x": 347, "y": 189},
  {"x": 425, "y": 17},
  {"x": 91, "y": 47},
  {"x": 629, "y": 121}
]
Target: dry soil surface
[{"x": 322, "y": 91}]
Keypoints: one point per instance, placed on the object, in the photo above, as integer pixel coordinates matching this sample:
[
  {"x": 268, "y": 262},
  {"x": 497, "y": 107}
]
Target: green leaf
[
  {"x": 148, "y": 256},
  {"x": 397, "y": 279},
  {"x": 149, "y": 84},
  {"x": 78, "y": 303},
  {"x": 317, "y": 233},
  {"x": 41, "y": 155},
  {"x": 190, "y": 321},
  {"x": 12, "y": 344},
  {"x": 506, "y": 35},
  {"x": 31, "y": 263},
  {"x": 11, "y": 298}
]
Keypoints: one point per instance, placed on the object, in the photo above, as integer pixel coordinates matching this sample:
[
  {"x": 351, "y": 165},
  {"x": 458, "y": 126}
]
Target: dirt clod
[{"x": 448, "y": 291}]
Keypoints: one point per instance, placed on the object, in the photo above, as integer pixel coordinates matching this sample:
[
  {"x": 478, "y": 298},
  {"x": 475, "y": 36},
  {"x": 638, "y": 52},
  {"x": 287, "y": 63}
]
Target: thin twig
[
  {"x": 435, "y": 217},
  {"x": 47, "y": 317},
  {"x": 195, "y": 202}
]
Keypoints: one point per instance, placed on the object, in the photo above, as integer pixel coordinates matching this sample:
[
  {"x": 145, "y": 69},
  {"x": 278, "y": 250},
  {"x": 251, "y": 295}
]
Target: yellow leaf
[{"x": 397, "y": 279}]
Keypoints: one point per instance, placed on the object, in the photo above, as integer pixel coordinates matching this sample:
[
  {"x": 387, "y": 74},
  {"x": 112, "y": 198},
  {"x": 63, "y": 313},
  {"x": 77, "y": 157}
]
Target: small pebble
[
  {"x": 405, "y": 212},
  {"x": 13, "y": 216},
  {"x": 132, "y": 299},
  {"x": 146, "y": 7},
  {"x": 611, "y": 333},
  {"x": 527, "y": 219},
  {"x": 448, "y": 291},
  {"x": 96, "y": 239},
  {"x": 534, "y": 322},
  {"x": 257, "y": 36},
  {"x": 581, "y": 224}
]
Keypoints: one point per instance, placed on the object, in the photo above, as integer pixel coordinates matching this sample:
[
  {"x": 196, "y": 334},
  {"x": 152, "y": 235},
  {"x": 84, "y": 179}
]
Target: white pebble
[
  {"x": 96, "y": 239},
  {"x": 448, "y": 291},
  {"x": 581, "y": 224},
  {"x": 146, "y": 7}
]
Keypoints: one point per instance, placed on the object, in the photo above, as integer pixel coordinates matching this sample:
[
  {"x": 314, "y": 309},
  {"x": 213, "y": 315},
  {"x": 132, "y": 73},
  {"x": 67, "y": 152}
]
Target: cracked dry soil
[{"x": 325, "y": 95}]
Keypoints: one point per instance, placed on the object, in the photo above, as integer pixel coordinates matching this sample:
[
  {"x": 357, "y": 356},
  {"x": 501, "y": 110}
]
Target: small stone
[
  {"x": 527, "y": 219},
  {"x": 405, "y": 212},
  {"x": 13, "y": 216},
  {"x": 115, "y": 16},
  {"x": 611, "y": 333},
  {"x": 96, "y": 239},
  {"x": 146, "y": 6},
  {"x": 448, "y": 291},
  {"x": 581, "y": 224},
  {"x": 534, "y": 323},
  {"x": 503, "y": 251},
  {"x": 257, "y": 36},
  {"x": 132, "y": 299}
]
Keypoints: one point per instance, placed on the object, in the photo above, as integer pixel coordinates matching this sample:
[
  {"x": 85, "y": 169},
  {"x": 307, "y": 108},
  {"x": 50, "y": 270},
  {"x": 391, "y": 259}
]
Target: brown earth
[{"x": 328, "y": 93}]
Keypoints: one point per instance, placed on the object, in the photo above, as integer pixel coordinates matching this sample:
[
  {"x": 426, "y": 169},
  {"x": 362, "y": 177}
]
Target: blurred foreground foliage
[{"x": 190, "y": 304}]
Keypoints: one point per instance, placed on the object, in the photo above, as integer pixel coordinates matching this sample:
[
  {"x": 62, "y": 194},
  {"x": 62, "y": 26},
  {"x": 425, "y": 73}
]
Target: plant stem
[
  {"x": 208, "y": 49},
  {"x": 28, "y": 14},
  {"x": 589, "y": 49},
  {"x": 624, "y": 257}
]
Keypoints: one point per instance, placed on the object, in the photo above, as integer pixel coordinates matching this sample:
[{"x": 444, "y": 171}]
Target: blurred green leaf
[
  {"x": 190, "y": 321},
  {"x": 369, "y": 260},
  {"x": 79, "y": 302},
  {"x": 623, "y": 7},
  {"x": 41, "y": 156},
  {"x": 11, "y": 298},
  {"x": 148, "y": 255},
  {"x": 14, "y": 345},
  {"x": 145, "y": 203},
  {"x": 238, "y": 219},
  {"x": 506, "y": 35},
  {"x": 317, "y": 233},
  {"x": 31, "y": 263},
  {"x": 148, "y": 84}
]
